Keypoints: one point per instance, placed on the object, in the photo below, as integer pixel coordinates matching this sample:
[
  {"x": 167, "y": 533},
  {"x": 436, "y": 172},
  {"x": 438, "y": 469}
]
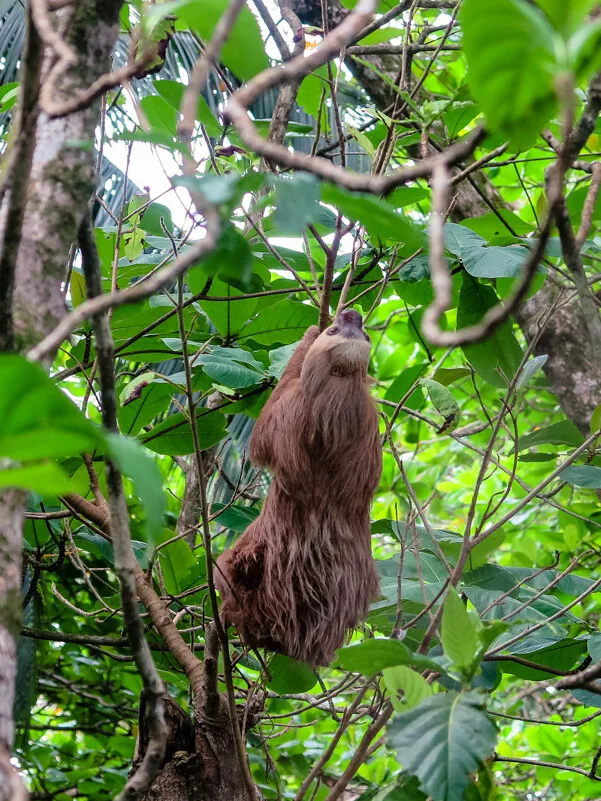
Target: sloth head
[{"x": 344, "y": 343}]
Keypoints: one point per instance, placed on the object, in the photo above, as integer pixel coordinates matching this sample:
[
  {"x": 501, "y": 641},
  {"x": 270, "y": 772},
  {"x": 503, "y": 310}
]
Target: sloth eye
[{"x": 332, "y": 330}]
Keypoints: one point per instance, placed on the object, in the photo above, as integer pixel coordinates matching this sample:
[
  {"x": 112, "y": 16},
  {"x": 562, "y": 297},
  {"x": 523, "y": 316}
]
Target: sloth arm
[{"x": 276, "y": 419}]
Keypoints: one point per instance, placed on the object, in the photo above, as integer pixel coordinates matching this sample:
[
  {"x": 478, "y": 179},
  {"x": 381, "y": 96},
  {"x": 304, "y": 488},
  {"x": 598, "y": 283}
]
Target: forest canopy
[{"x": 185, "y": 188}]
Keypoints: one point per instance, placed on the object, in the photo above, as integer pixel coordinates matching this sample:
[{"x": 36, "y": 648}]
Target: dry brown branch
[
  {"x": 67, "y": 59},
  {"x": 237, "y": 112},
  {"x": 441, "y": 279}
]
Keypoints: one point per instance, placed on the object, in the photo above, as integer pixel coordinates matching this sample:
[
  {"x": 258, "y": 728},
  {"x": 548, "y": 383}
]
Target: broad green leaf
[
  {"x": 173, "y": 92},
  {"x": 582, "y": 475},
  {"x": 406, "y": 687},
  {"x": 77, "y": 286},
  {"x": 562, "y": 433},
  {"x": 499, "y": 356},
  {"x": 448, "y": 375},
  {"x": 458, "y": 633},
  {"x": 173, "y": 435},
  {"x": 459, "y": 239},
  {"x": 279, "y": 358},
  {"x": 584, "y": 49},
  {"x": 596, "y": 420},
  {"x": 530, "y": 369},
  {"x": 142, "y": 400},
  {"x": 136, "y": 463},
  {"x": 283, "y": 323},
  {"x": 38, "y": 420},
  {"x": 566, "y": 15},
  {"x": 296, "y": 201},
  {"x": 243, "y": 51},
  {"x": 495, "y": 262},
  {"x": 379, "y": 219},
  {"x": 179, "y": 566},
  {"x": 444, "y": 403},
  {"x": 290, "y": 676},
  {"x": 160, "y": 115},
  {"x": 8, "y": 96},
  {"x": 231, "y": 262},
  {"x": 227, "y": 366},
  {"x": 442, "y": 741},
  {"x": 403, "y": 383},
  {"x": 593, "y": 646},
  {"x": 491, "y": 226},
  {"x": 236, "y": 518},
  {"x": 372, "y": 656},
  {"x": 510, "y": 48},
  {"x": 563, "y": 655},
  {"x": 223, "y": 189},
  {"x": 228, "y": 316},
  {"x": 46, "y": 478}
]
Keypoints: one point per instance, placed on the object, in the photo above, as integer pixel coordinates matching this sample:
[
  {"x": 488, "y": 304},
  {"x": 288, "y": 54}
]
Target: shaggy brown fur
[{"x": 302, "y": 574}]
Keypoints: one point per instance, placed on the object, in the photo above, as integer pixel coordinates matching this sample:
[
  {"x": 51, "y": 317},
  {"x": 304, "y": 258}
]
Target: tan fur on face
[{"x": 302, "y": 574}]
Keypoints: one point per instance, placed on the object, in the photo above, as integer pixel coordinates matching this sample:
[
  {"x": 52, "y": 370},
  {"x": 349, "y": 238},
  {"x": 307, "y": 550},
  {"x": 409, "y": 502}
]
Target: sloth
[{"x": 302, "y": 574}]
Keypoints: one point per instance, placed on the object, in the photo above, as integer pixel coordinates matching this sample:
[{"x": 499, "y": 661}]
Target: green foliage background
[{"x": 475, "y": 430}]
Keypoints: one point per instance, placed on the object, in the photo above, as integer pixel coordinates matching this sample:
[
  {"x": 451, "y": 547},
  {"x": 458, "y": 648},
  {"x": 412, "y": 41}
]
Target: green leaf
[
  {"x": 243, "y": 51},
  {"x": 236, "y": 518},
  {"x": 596, "y": 420},
  {"x": 582, "y": 475},
  {"x": 290, "y": 676},
  {"x": 500, "y": 351},
  {"x": 510, "y": 48},
  {"x": 179, "y": 566},
  {"x": 566, "y": 15},
  {"x": 406, "y": 687},
  {"x": 379, "y": 219},
  {"x": 530, "y": 369},
  {"x": 495, "y": 262},
  {"x": 296, "y": 201},
  {"x": 563, "y": 433},
  {"x": 77, "y": 286},
  {"x": 448, "y": 375},
  {"x": 372, "y": 656},
  {"x": 46, "y": 478},
  {"x": 279, "y": 358},
  {"x": 161, "y": 116},
  {"x": 38, "y": 420},
  {"x": 136, "y": 463},
  {"x": 142, "y": 400},
  {"x": 460, "y": 240},
  {"x": 444, "y": 403},
  {"x": 173, "y": 92},
  {"x": 173, "y": 436},
  {"x": 228, "y": 317},
  {"x": 584, "y": 49},
  {"x": 458, "y": 633},
  {"x": 231, "y": 261},
  {"x": 226, "y": 366},
  {"x": 283, "y": 323},
  {"x": 229, "y": 188},
  {"x": 442, "y": 741}
]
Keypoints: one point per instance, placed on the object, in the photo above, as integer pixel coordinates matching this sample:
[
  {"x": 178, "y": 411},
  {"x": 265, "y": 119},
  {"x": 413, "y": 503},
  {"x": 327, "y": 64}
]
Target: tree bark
[{"x": 39, "y": 218}]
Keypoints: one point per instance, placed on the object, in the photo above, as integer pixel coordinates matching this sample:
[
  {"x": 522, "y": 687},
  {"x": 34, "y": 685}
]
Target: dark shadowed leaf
[
  {"x": 136, "y": 463},
  {"x": 290, "y": 676},
  {"x": 442, "y": 741}
]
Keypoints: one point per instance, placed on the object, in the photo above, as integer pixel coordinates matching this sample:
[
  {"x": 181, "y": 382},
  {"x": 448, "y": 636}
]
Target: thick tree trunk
[
  {"x": 573, "y": 372},
  {"x": 36, "y": 239}
]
